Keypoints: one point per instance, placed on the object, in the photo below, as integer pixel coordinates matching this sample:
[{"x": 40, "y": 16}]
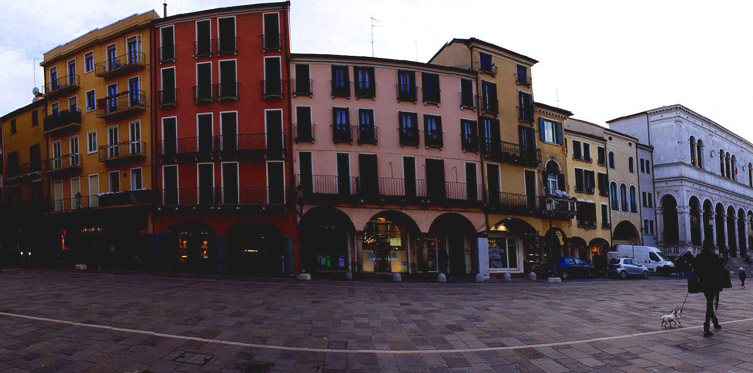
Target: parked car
[
  {"x": 625, "y": 267},
  {"x": 570, "y": 266},
  {"x": 651, "y": 257}
]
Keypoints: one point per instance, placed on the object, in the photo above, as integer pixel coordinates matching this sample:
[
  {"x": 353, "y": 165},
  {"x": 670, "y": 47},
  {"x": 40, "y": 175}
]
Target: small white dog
[{"x": 672, "y": 318}]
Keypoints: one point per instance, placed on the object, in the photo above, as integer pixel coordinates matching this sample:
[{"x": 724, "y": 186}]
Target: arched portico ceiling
[
  {"x": 395, "y": 217},
  {"x": 452, "y": 220},
  {"x": 625, "y": 231},
  {"x": 513, "y": 225},
  {"x": 327, "y": 215}
]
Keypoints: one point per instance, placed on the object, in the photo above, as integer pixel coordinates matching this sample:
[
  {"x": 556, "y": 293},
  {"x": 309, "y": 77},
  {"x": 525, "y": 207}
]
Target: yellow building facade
[
  {"x": 522, "y": 153},
  {"x": 625, "y": 207}
]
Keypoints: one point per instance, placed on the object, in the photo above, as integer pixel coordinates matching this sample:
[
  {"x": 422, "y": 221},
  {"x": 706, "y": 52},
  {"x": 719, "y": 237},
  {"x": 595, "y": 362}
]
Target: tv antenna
[{"x": 372, "y": 34}]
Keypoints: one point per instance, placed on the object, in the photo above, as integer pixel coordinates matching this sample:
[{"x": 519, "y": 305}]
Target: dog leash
[{"x": 683, "y": 302}]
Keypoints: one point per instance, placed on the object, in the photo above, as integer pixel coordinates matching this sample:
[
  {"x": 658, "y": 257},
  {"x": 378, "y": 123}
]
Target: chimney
[{"x": 164, "y": 12}]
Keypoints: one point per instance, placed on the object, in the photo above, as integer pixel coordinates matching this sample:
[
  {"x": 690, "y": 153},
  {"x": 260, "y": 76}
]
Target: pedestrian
[
  {"x": 742, "y": 275},
  {"x": 688, "y": 263},
  {"x": 707, "y": 267}
]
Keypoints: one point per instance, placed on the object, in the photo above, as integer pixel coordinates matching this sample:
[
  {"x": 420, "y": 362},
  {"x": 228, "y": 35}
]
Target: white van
[{"x": 650, "y": 257}]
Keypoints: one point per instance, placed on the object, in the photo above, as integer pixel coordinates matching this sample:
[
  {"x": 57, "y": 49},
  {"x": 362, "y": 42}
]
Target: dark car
[{"x": 570, "y": 266}]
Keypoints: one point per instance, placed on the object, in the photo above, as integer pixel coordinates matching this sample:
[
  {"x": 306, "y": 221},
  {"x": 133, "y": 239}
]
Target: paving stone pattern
[{"x": 404, "y": 323}]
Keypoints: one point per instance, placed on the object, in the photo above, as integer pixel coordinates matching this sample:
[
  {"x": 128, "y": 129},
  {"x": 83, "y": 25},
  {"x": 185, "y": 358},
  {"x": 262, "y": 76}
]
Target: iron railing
[
  {"x": 305, "y": 132},
  {"x": 224, "y": 196},
  {"x": 226, "y": 45},
  {"x": 227, "y": 92},
  {"x": 249, "y": 142},
  {"x": 340, "y": 88},
  {"x": 408, "y": 136},
  {"x": 62, "y": 84},
  {"x": 202, "y": 48},
  {"x": 167, "y": 53},
  {"x": 368, "y": 134},
  {"x": 122, "y": 103},
  {"x": 369, "y": 92},
  {"x": 342, "y": 133},
  {"x": 120, "y": 64},
  {"x": 203, "y": 94},
  {"x": 168, "y": 98},
  {"x": 469, "y": 142},
  {"x": 489, "y": 106},
  {"x": 56, "y": 121},
  {"x": 490, "y": 69},
  {"x": 24, "y": 169},
  {"x": 406, "y": 92},
  {"x": 432, "y": 97},
  {"x": 271, "y": 89},
  {"x": 302, "y": 87},
  {"x": 523, "y": 79},
  {"x": 123, "y": 151},
  {"x": 66, "y": 162},
  {"x": 468, "y": 100},
  {"x": 271, "y": 41},
  {"x": 433, "y": 139}
]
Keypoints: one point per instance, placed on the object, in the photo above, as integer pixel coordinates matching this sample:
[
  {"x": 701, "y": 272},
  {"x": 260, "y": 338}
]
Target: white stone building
[{"x": 703, "y": 179}]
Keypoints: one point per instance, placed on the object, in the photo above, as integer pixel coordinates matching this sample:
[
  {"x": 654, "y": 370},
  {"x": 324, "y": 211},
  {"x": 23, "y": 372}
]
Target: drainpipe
[
  {"x": 291, "y": 156},
  {"x": 484, "y": 198}
]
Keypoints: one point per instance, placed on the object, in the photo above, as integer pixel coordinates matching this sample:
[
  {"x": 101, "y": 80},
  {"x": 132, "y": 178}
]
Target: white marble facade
[{"x": 700, "y": 198}]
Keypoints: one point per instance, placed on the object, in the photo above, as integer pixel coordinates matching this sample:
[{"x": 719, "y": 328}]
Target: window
[
  {"x": 53, "y": 79},
  {"x": 631, "y": 168},
  {"x": 303, "y": 127},
  {"x": 13, "y": 127},
  {"x": 466, "y": 94},
  {"x": 643, "y": 165},
  {"x": 721, "y": 162},
  {"x": 692, "y": 150},
  {"x": 576, "y": 150},
  {"x": 433, "y": 131},
  {"x": 302, "y": 80},
  {"x": 503, "y": 253},
  {"x": 633, "y": 204},
  {"x": 700, "y": 153},
  {"x": 341, "y": 125},
  {"x": 525, "y": 101},
  {"x": 586, "y": 214},
  {"x": 489, "y": 103},
  {"x": 134, "y": 134},
  {"x": 271, "y": 32},
  {"x": 613, "y": 196},
  {"x": 579, "y": 180},
  {"x": 34, "y": 118},
  {"x": 72, "y": 104},
  {"x": 114, "y": 181},
  {"x": 604, "y": 216},
  {"x": 73, "y": 150},
  {"x": 406, "y": 86},
  {"x": 611, "y": 160},
  {"x": 366, "y": 129},
  {"x": 340, "y": 81},
  {"x": 203, "y": 45},
  {"x": 91, "y": 142},
  {"x": 88, "y": 62},
  {"x": 91, "y": 102},
  {"x": 486, "y": 64},
  {"x": 550, "y": 131},
  {"x": 167, "y": 96},
  {"x": 365, "y": 85},
  {"x": 600, "y": 156},
  {"x": 623, "y": 197},
  {"x": 587, "y": 152},
  {"x": 750, "y": 174},
  {"x": 228, "y": 88},
  {"x": 408, "y": 129},
  {"x": 470, "y": 137},
  {"x": 603, "y": 184},
  {"x": 521, "y": 76},
  {"x": 431, "y": 88},
  {"x": 589, "y": 181},
  {"x": 167, "y": 45},
  {"x": 137, "y": 182}
]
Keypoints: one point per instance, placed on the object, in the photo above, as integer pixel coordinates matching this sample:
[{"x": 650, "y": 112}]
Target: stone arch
[
  {"x": 453, "y": 238},
  {"x": 255, "y": 248},
  {"x": 555, "y": 245},
  {"x": 326, "y": 241},
  {"x": 625, "y": 232},
  {"x": 695, "y": 220},
  {"x": 190, "y": 246},
  {"x": 731, "y": 230},
  {"x": 533, "y": 257},
  {"x": 580, "y": 248},
  {"x": 670, "y": 231},
  {"x": 719, "y": 223},
  {"x": 389, "y": 239}
]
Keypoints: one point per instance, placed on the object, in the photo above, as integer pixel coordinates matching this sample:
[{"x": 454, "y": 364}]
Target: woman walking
[{"x": 708, "y": 267}]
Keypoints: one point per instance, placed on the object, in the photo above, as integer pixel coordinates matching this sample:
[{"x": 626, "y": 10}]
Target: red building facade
[{"x": 223, "y": 183}]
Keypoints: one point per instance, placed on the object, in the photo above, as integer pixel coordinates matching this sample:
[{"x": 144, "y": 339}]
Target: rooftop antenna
[
  {"x": 34, "y": 70},
  {"x": 164, "y": 9},
  {"x": 372, "y": 34}
]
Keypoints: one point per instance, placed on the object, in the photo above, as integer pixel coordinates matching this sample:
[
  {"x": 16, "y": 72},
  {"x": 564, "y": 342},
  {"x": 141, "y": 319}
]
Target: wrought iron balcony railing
[
  {"x": 62, "y": 85},
  {"x": 122, "y": 64},
  {"x": 121, "y": 104},
  {"x": 123, "y": 152},
  {"x": 62, "y": 121},
  {"x": 271, "y": 42}
]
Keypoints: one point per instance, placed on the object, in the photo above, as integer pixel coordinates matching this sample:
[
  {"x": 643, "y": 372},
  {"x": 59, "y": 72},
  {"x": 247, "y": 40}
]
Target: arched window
[
  {"x": 623, "y": 197},
  {"x": 633, "y": 204},
  {"x": 631, "y": 168},
  {"x": 700, "y": 153},
  {"x": 611, "y": 160},
  {"x": 734, "y": 168},
  {"x": 750, "y": 174},
  {"x": 721, "y": 162},
  {"x": 613, "y": 196},
  {"x": 726, "y": 163},
  {"x": 692, "y": 150},
  {"x": 553, "y": 177}
]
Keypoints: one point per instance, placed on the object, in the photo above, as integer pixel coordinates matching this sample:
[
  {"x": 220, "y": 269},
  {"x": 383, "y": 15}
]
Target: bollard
[
  {"x": 304, "y": 277},
  {"x": 554, "y": 280},
  {"x": 479, "y": 278},
  {"x": 396, "y": 277},
  {"x": 442, "y": 277},
  {"x": 349, "y": 275},
  {"x": 532, "y": 276},
  {"x": 507, "y": 277}
]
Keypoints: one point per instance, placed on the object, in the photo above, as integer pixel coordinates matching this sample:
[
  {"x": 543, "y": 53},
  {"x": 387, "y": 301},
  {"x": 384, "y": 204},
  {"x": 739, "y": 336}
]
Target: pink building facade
[{"x": 386, "y": 162}]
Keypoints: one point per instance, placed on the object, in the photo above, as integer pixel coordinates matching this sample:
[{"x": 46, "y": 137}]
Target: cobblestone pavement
[{"x": 53, "y": 320}]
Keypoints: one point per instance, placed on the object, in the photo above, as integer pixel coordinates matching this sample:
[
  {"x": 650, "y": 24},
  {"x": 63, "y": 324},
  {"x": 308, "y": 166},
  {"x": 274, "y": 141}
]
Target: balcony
[
  {"x": 406, "y": 93},
  {"x": 601, "y": 161},
  {"x": 271, "y": 89},
  {"x": 342, "y": 133},
  {"x": 203, "y": 94},
  {"x": 29, "y": 206},
  {"x": 432, "y": 97},
  {"x": 121, "y": 105},
  {"x": 604, "y": 192},
  {"x": 368, "y": 134},
  {"x": 523, "y": 79},
  {"x": 302, "y": 87},
  {"x": 489, "y": 106},
  {"x": 340, "y": 88},
  {"x": 468, "y": 101},
  {"x": 227, "y": 46},
  {"x": 336, "y": 189},
  {"x": 61, "y": 85},
  {"x": 559, "y": 206},
  {"x": 202, "y": 48},
  {"x": 62, "y": 122},
  {"x": 168, "y": 98},
  {"x": 126, "y": 151},
  {"x": 167, "y": 53},
  {"x": 228, "y": 92},
  {"x": 271, "y": 42},
  {"x": 72, "y": 204},
  {"x": 243, "y": 197},
  {"x": 64, "y": 165},
  {"x": 587, "y": 225},
  {"x": 553, "y": 207},
  {"x": 508, "y": 152},
  {"x": 252, "y": 146},
  {"x": 305, "y": 133},
  {"x": 125, "y": 198},
  {"x": 24, "y": 171},
  {"x": 120, "y": 65}
]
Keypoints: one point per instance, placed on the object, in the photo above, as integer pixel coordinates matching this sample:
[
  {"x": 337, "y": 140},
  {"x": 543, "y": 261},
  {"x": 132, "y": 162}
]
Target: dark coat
[{"x": 708, "y": 267}]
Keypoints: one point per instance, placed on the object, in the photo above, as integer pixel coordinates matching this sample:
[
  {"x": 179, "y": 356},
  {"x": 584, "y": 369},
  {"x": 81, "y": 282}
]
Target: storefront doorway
[
  {"x": 453, "y": 238},
  {"x": 326, "y": 235},
  {"x": 388, "y": 240},
  {"x": 512, "y": 247},
  {"x": 191, "y": 246},
  {"x": 255, "y": 249}
]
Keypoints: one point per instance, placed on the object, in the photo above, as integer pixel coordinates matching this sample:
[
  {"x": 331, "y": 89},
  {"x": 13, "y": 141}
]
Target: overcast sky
[{"x": 598, "y": 59}]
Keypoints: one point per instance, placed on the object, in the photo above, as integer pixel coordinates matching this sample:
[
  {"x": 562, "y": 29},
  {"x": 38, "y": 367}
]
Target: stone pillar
[
  {"x": 701, "y": 223},
  {"x": 725, "y": 224},
  {"x": 683, "y": 226},
  {"x": 660, "y": 226},
  {"x": 221, "y": 254},
  {"x": 742, "y": 241},
  {"x": 357, "y": 255},
  {"x": 713, "y": 229},
  {"x": 483, "y": 256}
]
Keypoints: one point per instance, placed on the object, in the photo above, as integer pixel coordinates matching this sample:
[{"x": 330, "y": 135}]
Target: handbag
[
  {"x": 694, "y": 284},
  {"x": 726, "y": 281}
]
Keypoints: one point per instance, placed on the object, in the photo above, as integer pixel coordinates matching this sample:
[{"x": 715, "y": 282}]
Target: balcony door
[
  {"x": 527, "y": 142},
  {"x": 206, "y": 183},
  {"x": 169, "y": 136},
  {"x": 203, "y": 38},
  {"x": 112, "y": 142},
  {"x": 272, "y": 76},
  {"x": 203, "y": 81},
  {"x": 492, "y": 177},
  {"x": 530, "y": 177},
  {"x": 170, "y": 185},
  {"x": 75, "y": 190},
  {"x": 57, "y": 155},
  {"x": 276, "y": 182},
  {"x": 93, "y": 190},
  {"x": 133, "y": 50},
  {"x": 435, "y": 180},
  {"x": 229, "y": 128},
  {"x": 112, "y": 99},
  {"x": 230, "y": 183},
  {"x": 134, "y": 92},
  {"x": 114, "y": 181},
  {"x": 72, "y": 72},
  {"x": 470, "y": 181},
  {"x": 228, "y": 79},
  {"x": 168, "y": 86},
  {"x": 58, "y": 191},
  {"x": 205, "y": 131},
  {"x": 271, "y": 31},
  {"x": 227, "y": 35},
  {"x": 306, "y": 173},
  {"x": 343, "y": 174},
  {"x": 134, "y": 133},
  {"x": 409, "y": 177},
  {"x": 274, "y": 131},
  {"x": 112, "y": 57},
  {"x": 367, "y": 165}
]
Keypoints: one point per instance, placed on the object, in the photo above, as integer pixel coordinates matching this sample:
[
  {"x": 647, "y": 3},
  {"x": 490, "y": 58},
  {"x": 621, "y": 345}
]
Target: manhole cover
[{"x": 193, "y": 358}]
